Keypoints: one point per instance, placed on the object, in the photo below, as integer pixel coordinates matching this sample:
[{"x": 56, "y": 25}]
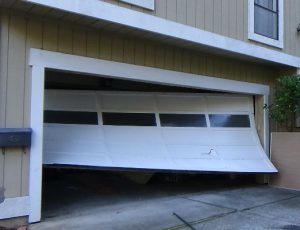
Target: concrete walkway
[{"x": 250, "y": 207}]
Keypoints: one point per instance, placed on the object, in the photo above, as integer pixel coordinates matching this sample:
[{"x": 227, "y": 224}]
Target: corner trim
[
  {"x": 116, "y": 14},
  {"x": 14, "y": 207},
  {"x": 36, "y": 151}
]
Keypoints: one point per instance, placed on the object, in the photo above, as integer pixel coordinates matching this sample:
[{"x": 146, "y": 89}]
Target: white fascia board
[
  {"x": 55, "y": 60},
  {"x": 147, "y": 4},
  {"x": 14, "y": 207},
  {"x": 116, "y": 14}
]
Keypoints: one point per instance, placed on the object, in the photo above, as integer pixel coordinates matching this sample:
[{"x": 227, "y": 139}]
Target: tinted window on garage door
[
  {"x": 182, "y": 120},
  {"x": 71, "y": 117},
  {"x": 129, "y": 119},
  {"x": 229, "y": 120}
]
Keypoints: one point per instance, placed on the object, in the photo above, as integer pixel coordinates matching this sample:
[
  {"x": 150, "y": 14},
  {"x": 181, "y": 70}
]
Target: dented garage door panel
[{"x": 229, "y": 144}]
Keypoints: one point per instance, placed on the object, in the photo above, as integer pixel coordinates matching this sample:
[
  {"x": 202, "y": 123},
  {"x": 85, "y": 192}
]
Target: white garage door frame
[{"x": 40, "y": 60}]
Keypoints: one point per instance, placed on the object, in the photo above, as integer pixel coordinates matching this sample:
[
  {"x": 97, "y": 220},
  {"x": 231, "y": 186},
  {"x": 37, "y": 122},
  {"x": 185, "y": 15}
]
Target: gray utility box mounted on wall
[{"x": 11, "y": 137}]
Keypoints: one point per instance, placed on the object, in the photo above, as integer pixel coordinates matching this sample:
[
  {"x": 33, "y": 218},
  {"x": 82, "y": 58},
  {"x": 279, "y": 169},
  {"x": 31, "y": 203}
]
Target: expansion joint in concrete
[{"x": 273, "y": 202}]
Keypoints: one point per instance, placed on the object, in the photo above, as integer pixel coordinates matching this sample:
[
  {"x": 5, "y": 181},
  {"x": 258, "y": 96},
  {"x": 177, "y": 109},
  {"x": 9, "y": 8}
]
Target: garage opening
[{"x": 110, "y": 137}]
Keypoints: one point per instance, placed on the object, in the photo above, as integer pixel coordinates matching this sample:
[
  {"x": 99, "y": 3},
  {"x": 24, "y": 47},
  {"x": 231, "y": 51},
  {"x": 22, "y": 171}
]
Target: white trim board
[
  {"x": 116, "y": 14},
  {"x": 14, "y": 207},
  {"x": 147, "y": 4},
  {"x": 40, "y": 60},
  {"x": 36, "y": 149},
  {"x": 263, "y": 39},
  {"x": 124, "y": 71}
]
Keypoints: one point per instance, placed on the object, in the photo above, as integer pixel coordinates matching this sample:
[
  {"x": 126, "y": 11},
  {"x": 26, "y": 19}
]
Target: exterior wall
[
  {"x": 287, "y": 162},
  {"x": 14, "y": 163},
  {"x": 21, "y": 32},
  {"x": 225, "y": 17}
]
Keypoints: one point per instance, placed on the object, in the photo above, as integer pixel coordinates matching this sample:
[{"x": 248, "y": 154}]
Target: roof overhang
[{"x": 147, "y": 23}]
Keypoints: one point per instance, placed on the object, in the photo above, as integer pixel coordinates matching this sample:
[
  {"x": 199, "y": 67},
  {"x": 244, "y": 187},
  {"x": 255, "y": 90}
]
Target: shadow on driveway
[{"x": 105, "y": 200}]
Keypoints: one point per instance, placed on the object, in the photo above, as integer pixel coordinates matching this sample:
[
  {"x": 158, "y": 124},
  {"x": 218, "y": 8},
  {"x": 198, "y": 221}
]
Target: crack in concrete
[
  {"x": 273, "y": 202},
  {"x": 210, "y": 218},
  {"x": 214, "y": 205},
  {"x": 214, "y": 217},
  {"x": 291, "y": 227},
  {"x": 240, "y": 210},
  {"x": 270, "y": 216}
]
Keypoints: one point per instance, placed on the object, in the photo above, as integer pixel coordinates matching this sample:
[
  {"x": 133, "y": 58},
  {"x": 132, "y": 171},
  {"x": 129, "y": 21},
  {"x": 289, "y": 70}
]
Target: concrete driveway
[{"x": 225, "y": 207}]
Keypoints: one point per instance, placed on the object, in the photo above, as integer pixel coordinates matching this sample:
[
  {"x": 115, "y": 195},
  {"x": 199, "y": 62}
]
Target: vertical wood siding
[
  {"x": 291, "y": 22},
  {"x": 225, "y": 17},
  {"x": 3, "y": 80},
  {"x": 20, "y": 32},
  {"x": 14, "y": 105}
]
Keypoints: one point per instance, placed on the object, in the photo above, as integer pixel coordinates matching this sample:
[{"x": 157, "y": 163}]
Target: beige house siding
[
  {"x": 225, "y": 17},
  {"x": 21, "y": 32},
  {"x": 287, "y": 162}
]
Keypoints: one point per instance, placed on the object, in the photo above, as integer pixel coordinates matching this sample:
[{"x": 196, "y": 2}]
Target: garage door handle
[{"x": 210, "y": 152}]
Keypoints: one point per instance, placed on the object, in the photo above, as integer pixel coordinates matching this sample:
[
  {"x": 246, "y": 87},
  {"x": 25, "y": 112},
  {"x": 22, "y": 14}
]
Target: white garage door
[{"x": 157, "y": 131}]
